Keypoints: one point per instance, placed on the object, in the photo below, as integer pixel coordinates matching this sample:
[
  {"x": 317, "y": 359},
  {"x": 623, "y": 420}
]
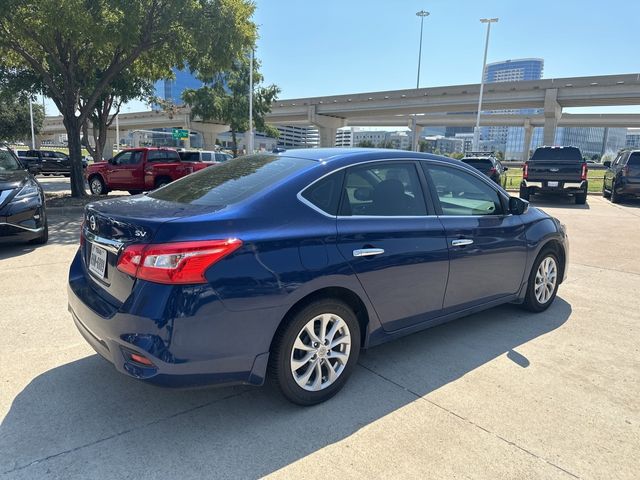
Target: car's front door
[
  {"x": 123, "y": 169},
  {"x": 487, "y": 246},
  {"x": 388, "y": 233}
]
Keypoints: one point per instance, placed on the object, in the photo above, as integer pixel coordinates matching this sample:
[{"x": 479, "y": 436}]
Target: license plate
[
  {"x": 98, "y": 261},
  {"x": 552, "y": 184}
]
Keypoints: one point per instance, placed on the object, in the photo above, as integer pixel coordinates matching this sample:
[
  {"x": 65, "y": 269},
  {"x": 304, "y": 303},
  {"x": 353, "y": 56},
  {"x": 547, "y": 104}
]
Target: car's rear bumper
[
  {"x": 543, "y": 186},
  {"x": 176, "y": 347}
]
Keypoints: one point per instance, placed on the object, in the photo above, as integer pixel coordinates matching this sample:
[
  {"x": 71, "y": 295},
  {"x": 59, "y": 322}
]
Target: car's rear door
[
  {"x": 487, "y": 246},
  {"x": 388, "y": 233}
]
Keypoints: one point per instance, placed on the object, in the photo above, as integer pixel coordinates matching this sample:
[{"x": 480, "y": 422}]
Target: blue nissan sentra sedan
[{"x": 291, "y": 263}]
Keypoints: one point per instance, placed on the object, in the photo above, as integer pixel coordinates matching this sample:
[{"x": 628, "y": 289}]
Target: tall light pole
[
  {"x": 421, "y": 14},
  {"x": 476, "y": 130},
  {"x": 33, "y": 136},
  {"x": 250, "y": 142},
  {"x": 414, "y": 126}
]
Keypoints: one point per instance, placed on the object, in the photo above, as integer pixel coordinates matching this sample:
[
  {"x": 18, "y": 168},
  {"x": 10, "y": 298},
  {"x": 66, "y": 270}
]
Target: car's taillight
[
  {"x": 179, "y": 262},
  {"x": 525, "y": 170},
  {"x": 583, "y": 173}
]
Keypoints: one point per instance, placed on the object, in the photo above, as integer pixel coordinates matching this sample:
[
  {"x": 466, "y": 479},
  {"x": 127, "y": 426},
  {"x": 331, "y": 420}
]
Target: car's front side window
[
  {"x": 383, "y": 189},
  {"x": 461, "y": 193}
]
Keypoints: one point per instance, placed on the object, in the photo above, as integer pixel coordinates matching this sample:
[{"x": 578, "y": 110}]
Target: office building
[
  {"x": 511, "y": 139},
  {"x": 632, "y": 139},
  {"x": 171, "y": 89}
]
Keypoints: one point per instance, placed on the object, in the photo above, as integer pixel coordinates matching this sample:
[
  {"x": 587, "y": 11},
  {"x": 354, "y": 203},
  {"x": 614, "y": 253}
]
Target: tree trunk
[
  {"x": 73, "y": 127},
  {"x": 235, "y": 143}
]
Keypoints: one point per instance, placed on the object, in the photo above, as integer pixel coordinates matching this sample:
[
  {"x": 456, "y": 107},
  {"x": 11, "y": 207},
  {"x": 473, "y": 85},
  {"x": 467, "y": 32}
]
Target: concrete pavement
[{"x": 501, "y": 394}]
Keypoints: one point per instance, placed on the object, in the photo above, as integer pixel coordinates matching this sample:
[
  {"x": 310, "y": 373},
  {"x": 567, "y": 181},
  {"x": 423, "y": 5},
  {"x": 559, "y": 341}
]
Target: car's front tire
[
  {"x": 524, "y": 193},
  {"x": 581, "y": 198},
  {"x": 44, "y": 236},
  {"x": 544, "y": 280},
  {"x": 97, "y": 186},
  {"x": 315, "y": 352}
]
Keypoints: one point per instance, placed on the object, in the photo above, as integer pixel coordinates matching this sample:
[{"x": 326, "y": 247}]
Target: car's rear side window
[
  {"x": 163, "y": 156},
  {"x": 634, "y": 164},
  {"x": 325, "y": 193},
  {"x": 231, "y": 182},
  {"x": 380, "y": 189},
  {"x": 190, "y": 156}
]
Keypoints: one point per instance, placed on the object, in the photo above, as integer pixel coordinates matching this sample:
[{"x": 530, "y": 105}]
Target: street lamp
[
  {"x": 421, "y": 14},
  {"x": 414, "y": 126},
  {"x": 476, "y": 130}
]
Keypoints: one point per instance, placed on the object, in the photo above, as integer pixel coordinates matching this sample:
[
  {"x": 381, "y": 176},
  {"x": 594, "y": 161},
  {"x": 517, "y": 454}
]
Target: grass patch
[{"x": 514, "y": 177}]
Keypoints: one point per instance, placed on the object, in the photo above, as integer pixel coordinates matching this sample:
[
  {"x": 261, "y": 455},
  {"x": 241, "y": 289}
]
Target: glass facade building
[
  {"x": 171, "y": 89},
  {"x": 511, "y": 139}
]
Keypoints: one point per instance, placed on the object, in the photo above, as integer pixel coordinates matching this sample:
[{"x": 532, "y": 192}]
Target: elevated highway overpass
[{"x": 433, "y": 106}]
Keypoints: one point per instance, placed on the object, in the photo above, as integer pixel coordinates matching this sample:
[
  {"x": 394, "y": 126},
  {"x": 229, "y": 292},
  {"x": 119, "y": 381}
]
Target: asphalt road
[{"x": 501, "y": 394}]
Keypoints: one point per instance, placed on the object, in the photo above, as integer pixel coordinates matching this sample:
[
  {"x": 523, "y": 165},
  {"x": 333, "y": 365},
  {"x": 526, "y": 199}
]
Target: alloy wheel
[
  {"x": 546, "y": 279},
  {"x": 320, "y": 352}
]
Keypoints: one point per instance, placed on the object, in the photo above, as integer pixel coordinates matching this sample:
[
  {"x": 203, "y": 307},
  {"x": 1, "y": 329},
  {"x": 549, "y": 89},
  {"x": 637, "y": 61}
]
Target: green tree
[
  {"x": 366, "y": 144},
  {"x": 500, "y": 155},
  {"x": 225, "y": 99},
  {"x": 78, "y": 48},
  {"x": 15, "y": 121},
  {"x": 387, "y": 144}
]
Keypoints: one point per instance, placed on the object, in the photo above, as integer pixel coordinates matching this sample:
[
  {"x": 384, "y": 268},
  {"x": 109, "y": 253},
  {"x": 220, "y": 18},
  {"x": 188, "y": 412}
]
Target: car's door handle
[
  {"x": 367, "y": 252},
  {"x": 461, "y": 242}
]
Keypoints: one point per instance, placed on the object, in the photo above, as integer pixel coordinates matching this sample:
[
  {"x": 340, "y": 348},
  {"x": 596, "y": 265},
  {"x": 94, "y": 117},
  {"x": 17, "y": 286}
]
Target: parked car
[
  {"x": 23, "y": 215},
  {"x": 488, "y": 164},
  {"x": 51, "y": 162},
  {"x": 555, "y": 170},
  {"x": 296, "y": 261},
  {"x": 33, "y": 164},
  {"x": 622, "y": 178},
  {"x": 139, "y": 169},
  {"x": 204, "y": 156}
]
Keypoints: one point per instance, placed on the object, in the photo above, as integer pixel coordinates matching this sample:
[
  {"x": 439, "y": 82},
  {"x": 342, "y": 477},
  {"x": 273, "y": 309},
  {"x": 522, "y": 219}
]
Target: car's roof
[{"x": 326, "y": 155}]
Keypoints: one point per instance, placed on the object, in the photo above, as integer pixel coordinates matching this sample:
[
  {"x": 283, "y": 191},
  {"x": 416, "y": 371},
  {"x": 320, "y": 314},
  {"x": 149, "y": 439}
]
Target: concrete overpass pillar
[
  {"x": 528, "y": 134},
  {"x": 327, "y": 126},
  {"x": 552, "y": 113},
  {"x": 107, "y": 152},
  {"x": 416, "y": 131},
  {"x": 209, "y": 132}
]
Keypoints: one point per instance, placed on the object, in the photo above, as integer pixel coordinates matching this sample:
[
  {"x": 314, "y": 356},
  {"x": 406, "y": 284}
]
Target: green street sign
[{"x": 180, "y": 134}]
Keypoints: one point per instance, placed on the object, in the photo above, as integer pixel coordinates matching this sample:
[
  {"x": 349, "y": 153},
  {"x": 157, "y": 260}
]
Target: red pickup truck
[{"x": 139, "y": 169}]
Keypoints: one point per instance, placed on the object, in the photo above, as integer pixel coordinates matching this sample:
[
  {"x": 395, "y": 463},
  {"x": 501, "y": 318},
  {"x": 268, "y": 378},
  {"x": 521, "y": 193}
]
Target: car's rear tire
[
  {"x": 97, "y": 186},
  {"x": 135, "y": 192},
  {"x": 605, "y": 193},
  {"x": 524, "y": 194},
  {"x": 544, "y": 280},
  {"x": 315, "y": 351},
  {"x": 581, "y": 198},
  {"x": 162, "y": 181},
  {"x": 615, "y": 196}
]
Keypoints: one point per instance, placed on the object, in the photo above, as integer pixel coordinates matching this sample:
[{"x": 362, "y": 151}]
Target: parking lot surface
[{"x": 500, "y": 394}]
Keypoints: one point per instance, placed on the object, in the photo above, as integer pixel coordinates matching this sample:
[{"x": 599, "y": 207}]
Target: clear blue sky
[
  {"x": 333, "y": 46},
  {"x": 346, "y": 46}
]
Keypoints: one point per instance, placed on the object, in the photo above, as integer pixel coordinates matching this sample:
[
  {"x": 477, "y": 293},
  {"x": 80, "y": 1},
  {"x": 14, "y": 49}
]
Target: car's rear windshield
[
  {"x": 549, "y": 154},
  {"x": 479, "y": 163},
  {"x": 231, "y": 182},
  {"x": 8, "y": 162}
]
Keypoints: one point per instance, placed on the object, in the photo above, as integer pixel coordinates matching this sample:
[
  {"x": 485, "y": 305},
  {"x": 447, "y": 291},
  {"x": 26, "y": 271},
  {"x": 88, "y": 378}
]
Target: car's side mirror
[
  {"x": 506, "y": 168},
  {"x": 607, "y": 163},
  {"x": 517, "y": 206},
  {"x": 112, "y": 161}
]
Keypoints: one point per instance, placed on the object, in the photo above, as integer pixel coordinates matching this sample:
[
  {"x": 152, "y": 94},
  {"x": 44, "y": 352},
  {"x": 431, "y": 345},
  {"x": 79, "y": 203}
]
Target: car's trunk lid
[{"x": 110, "y": 226}]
